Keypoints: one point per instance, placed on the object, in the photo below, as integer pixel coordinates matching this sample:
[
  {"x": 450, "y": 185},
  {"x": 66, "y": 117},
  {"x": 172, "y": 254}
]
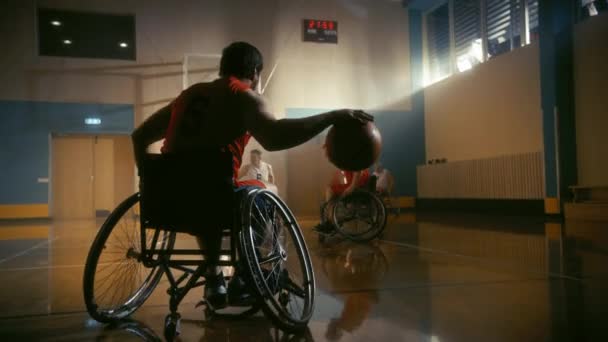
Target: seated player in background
[
  {"x": 258, "y": 170},
  {"x": 343, "y": 183},
  {"x": 384, "y": 180}
]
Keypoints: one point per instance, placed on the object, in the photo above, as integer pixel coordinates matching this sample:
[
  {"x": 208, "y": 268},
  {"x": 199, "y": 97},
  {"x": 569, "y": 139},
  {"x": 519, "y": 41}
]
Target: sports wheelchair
[
  {"x": 359, "y": 216},
  {"x": 135, "y": 246}
]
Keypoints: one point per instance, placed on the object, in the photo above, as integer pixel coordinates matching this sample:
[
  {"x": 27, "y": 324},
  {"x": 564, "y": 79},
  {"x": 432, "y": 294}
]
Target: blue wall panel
[{"x": 25, "y": 128}]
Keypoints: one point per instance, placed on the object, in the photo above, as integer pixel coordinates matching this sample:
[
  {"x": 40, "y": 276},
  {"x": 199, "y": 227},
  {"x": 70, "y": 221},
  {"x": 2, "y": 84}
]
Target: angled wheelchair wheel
[
  {"x": 360, "y": 216},
  {"x": 277, "y": 261},
  {"x": 116, "y": 281}
]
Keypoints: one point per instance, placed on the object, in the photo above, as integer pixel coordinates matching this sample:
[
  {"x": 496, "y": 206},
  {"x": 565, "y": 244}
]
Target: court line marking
[
  {"x": 442, "y": 284},
  {"x": 51, "y": 267},
  {"x": 80, "y": 312},
  {"x": 24, "y": 252},
  {"x": 437, "y": 251}
]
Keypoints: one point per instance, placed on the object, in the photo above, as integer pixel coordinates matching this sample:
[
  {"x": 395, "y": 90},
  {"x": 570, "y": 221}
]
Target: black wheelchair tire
[
  {"x": 374, "y": 231},
  {"x": 92, "y": 261},
  {"x": 270, "y": 306}
]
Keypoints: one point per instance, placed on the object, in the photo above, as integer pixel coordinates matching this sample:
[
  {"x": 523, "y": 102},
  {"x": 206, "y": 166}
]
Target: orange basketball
[{"x": 353, "y": 146}]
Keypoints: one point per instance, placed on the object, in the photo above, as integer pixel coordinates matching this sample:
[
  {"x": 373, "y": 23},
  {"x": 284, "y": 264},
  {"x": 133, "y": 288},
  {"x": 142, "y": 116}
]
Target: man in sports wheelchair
[
  {"x": 352, "y": 207},
  {"x": 192, "y": 186}
]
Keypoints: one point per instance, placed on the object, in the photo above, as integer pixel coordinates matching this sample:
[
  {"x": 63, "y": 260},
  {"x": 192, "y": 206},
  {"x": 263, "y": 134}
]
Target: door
[
  {"x": 114, "y": 171},
  {"x": 103, "y": 172},
  {"x": 72, "y": 177},
  {"x": 91, "y": 175}
]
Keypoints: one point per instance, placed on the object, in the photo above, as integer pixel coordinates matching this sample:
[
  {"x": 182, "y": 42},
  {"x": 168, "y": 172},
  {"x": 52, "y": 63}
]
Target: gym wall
[
  {"x": 494, "y": 109},
  {"x": 368, "y": 68},
  {"x": 25, "y": 136},
  {"x": 591, "y": 82},
  {"x": 491, "y": 110}
]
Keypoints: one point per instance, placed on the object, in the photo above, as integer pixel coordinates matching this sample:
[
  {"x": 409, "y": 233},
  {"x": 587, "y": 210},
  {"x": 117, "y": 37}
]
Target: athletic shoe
[{"x": 215, "y": 291}]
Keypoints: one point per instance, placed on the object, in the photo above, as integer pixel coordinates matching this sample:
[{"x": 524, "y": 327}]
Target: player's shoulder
[
  {"x": 200, "y": 86},
  {"x": 198, "y": 89},
  {"x": 250, "y": 100}
]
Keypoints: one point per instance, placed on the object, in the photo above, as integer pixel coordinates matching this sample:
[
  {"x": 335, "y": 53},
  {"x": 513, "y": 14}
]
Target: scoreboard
[{"x": 320, "y": 31}]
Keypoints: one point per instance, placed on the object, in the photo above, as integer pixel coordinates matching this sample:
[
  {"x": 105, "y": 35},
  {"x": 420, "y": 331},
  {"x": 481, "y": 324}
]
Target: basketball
[{"x": 353, "y": 146}]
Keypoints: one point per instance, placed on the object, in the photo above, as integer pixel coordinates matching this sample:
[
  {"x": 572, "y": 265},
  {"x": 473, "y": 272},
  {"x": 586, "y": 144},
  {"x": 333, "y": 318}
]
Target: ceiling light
[
  {"x": 56, "y": 23},
  {"x": 123, "y": 44},
  {"x": 67, "y": 42}
]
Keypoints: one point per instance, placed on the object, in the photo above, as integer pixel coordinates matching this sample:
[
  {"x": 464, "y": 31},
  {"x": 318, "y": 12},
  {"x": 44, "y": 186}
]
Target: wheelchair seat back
[{"x": 187, "y": 192}]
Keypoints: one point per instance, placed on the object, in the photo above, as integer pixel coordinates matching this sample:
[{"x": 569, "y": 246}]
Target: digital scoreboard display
[{"x": 320, "y": 31}]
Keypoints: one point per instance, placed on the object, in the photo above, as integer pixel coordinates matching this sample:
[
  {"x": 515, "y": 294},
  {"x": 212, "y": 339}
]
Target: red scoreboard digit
[{"x": 320, "y": 31}]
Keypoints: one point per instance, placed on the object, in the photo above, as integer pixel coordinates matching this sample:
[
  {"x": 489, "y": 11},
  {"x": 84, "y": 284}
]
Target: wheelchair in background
[
  {"x": 360, "y": 216},
  {"x": 135, "y": 246}
]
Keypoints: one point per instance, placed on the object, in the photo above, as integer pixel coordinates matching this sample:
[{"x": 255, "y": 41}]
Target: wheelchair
[
  {"x": 135, "y": 246},
  {"x": 360, "y": 216}
]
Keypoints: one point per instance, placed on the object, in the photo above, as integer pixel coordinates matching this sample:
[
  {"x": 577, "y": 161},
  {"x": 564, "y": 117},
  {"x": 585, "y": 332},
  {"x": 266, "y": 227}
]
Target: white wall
[
  {"x": 492, "y": 110},
  {"x": 591, "y": 99},
  {"x": 368, "y": 68}
]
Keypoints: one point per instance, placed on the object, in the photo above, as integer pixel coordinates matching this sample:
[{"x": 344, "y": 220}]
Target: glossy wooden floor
[{"x": 434, "y": 277}]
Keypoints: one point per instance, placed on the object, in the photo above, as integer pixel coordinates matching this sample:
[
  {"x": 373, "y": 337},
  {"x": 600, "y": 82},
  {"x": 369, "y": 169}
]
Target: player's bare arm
[
  {"x": 282, "y": 134},
  {"x": 150, "y": 131}
]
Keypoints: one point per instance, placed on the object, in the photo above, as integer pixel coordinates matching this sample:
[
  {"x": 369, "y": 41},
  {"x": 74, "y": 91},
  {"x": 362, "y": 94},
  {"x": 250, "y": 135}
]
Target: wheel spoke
[
  {"x": 274, "y": 260},
  {"x": 274, "y": 267},
  {"x": 117, "y": 283},
  {"x": 261, "y": 215},
  {"x": 269, "y": 259}
]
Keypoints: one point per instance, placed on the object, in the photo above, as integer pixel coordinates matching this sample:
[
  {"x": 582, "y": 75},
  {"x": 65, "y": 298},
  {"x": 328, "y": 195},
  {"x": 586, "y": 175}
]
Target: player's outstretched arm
[{"x": 282, "y": 134}]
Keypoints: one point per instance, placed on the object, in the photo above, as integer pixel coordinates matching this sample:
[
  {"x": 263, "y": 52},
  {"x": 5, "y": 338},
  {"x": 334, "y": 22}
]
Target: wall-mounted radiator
[{"x": 518, "y": 176}]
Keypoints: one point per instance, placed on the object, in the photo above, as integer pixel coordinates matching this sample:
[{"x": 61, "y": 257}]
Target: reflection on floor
[{"x": 434, "y": 277}]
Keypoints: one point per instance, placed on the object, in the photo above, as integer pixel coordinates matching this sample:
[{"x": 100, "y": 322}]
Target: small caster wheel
[{"x": 172, "y": 326}]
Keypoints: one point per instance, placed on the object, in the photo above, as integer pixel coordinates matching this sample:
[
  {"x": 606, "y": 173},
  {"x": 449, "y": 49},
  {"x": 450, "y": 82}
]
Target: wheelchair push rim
[
  {"x": 277, "y": 260},
  {"x": 360, "y": 216},
  {"x": 116, "y": 281}
]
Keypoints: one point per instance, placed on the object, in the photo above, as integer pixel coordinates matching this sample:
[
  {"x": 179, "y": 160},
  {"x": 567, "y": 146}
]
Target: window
[
  {"x": 438, "y": 42},
  {"x": 533, "y": 20},
  {"x": 83, "y": 34},
  {"x": 463, "y": 33},
  {"x": 467, "y": 33},
  {"x": 590, "y": 8},
  {"x": 502, "y": 22}
]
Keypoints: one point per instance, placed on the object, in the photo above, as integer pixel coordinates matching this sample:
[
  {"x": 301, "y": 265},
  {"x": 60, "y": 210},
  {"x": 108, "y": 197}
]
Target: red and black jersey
[{"x": 178, "y": 121}]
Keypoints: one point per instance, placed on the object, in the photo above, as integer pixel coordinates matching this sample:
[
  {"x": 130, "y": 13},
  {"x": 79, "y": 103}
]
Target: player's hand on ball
[{"x": 345, "y": 116}]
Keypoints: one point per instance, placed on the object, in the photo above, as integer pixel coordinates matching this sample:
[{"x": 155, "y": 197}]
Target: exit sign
[{"x": 320, "y": 31}]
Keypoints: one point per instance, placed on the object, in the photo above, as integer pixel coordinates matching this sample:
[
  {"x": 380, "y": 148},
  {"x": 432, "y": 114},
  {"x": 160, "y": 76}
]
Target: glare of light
[
  {"x": 463, "y": 63},
  {"x": 428, "y": 81},
  {"x": 476, "y": 50},
  {"x": 91, "y": 323},
  {"x": 592, "y": 9},
  {"x": 471, "y": 58},
  {"x": 92, "y": 121},
  {"x": 67, "y": 42},
  {"x": 123, "y": 44},
  {"x": 56, "y": 23}
]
